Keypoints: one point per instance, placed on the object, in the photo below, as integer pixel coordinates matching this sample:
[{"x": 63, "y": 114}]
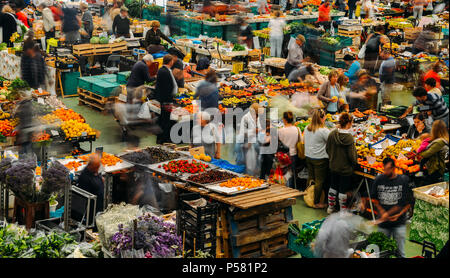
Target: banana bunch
[{"x": 4, "y": 115}]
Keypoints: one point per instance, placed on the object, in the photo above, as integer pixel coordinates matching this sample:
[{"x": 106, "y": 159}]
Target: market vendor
[
  {"x": 91, "y": 180},
  {"x": 329, "y": 93},
  {"x": 419, "y": 127},
  {"x": 205, "y": 133},
  {"x": 87, "y": 22},
  {"x": 153, "y": 39},
  {"x": 433, "y": 104},
  {"x": 433, "y": 73},
  {"x": 140, "y": 73},
  {"x": 363, "y": 92},
  {"x": 299, "y": 74},
  {"x": 295, "y": 55},
  {"x": 324, "y": 18},
  {"x": 245, "y": 33},
  {"x": 353, "y": 70},
  {"x": 374, "y": 43},
  {"x": 392, "y": 198},
  {"x": 121, "y": 24},
  {"x": 202, "y": 66}
]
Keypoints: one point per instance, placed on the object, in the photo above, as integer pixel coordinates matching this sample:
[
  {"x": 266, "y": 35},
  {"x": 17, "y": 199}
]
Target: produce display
[
  {"x": 382, "y": 241},
  {"x": 74, "y": 165},
  {"x": 7, "y": 128},
  {"x": 184, "y": 166},
  {"x": 211, "y": 176},
  {"x": 68, "y": 115},
  {"x": 107, "y": 159},
  {"x": 158, "y": 155},
  {"x": 242, "y": 183},
  {"x": 74, "y": 128},
  {"x": 41, "y": 136},
  {"x": 140, "y": 157}
]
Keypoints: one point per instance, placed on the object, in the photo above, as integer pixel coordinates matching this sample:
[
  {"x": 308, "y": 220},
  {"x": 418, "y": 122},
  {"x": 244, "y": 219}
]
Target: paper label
[
  {"x": 54, "y": 132},
  {"x": 401, "y": 156},
  {"x": 385, "y": 144},
  {"x": 40, "y": 100},
  {"x": 378, "y": 152},
  {"x": 408, "y": 149},
  {"x": 123, "y": 98},
  {"x": 371, "y": 159},
  {"x": 84, "y": 133}
]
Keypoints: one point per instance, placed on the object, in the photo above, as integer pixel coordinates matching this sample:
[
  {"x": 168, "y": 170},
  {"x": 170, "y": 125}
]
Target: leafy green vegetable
[
  {"x": 382, "y": 241},
  {"x": 18, "y": 84},
  {"x": 238, "y": 47},
  {"x": 306, "y": 236}
]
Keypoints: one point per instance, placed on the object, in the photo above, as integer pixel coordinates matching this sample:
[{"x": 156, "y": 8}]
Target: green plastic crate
[
  {"x": 446, "y": 177},
  {"x": 313, "y": 224},
  {"x": 305, "y": 251},
  {"x": 445, "y": 97},
  {"x": 85, "y": 83},
  {"x": 70, "y": 82},
  {"x": 213, "y": 31},
  {"x": 104, "y": 88},
  {"x": 122, "y": 77},
  {"x": 196, "y": 29}
]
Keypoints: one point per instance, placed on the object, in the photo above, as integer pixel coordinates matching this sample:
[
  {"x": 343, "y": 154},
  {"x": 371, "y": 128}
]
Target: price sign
[
  {"x": 401, "y": 156},
  {"x": 385, "y": 144},
  {"x": 84, "y": 133},
  {"x": 123, "y": 97},
  {"x": 378, "y": 152},
  {"x": 40, "y": 100},
  {"x": 408, "y": 149},
  {"x": 54, "y": 133}
]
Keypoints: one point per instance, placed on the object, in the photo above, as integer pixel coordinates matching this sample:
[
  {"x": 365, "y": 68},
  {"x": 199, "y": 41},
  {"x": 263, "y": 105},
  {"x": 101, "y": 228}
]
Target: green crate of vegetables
[{"x": 300, "y": 241}]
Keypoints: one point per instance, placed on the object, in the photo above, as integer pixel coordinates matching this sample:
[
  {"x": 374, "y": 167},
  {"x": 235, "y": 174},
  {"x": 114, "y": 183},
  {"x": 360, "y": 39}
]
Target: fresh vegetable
[
  {"x": 382, "y": 241},
  {"x": 95, "y": 40},
  {"x": 238, "y": 47}
]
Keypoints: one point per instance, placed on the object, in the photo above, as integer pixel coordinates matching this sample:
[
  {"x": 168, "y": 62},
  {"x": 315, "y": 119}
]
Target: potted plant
[{"x": 52, "y": 202}]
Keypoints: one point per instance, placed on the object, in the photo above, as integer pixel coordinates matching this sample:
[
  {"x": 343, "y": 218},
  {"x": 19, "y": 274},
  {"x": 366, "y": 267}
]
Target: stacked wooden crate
[
  {"x": 353, "y": 31},
  {"x": 89, "y": 49},
  {"x": 411, "y": 34}
]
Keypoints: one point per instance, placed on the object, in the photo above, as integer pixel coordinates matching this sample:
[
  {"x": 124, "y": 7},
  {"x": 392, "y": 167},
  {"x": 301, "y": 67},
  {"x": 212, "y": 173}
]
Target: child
[
  {"x": 423, "y": 146},
  {"x": 267, "y": 153}
]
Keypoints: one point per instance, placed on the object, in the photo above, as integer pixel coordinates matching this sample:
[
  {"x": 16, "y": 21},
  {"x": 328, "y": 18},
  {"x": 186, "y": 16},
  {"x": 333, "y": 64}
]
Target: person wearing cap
[
  {"x": 121, "y": 24},
  {"x": 140, "y": 74},
  {"x": 87, "y": 22},
  {"x": 354, "y": 67},
  {"x": 206, "y": 133},
  {"x": 153, "y": 38},
  {"x": 295, "y": 55}
]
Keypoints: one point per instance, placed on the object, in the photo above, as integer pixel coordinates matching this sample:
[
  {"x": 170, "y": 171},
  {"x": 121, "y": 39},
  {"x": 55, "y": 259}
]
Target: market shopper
[
  {"x": 87, "y": 23},
  {"x": 32, "y": 65},
  {"x": 153, "y": 39},
  {"x": 436, "y": 153},
  {"x": 25, "y": 128},
  {"x": 374, "y": 43},
  {"x": 247, "y": 131},
  {"x": 115, "y": 10},
  {"x": 140, "y": 74},
  {"x": 165, "y": 91},
  {"x": 71, "y": 25},
  {"x": 48, "y": 21},
  {"x": 21, "y": 16},
  {"x": 295, "y": 55},
  {"x": 353, "y": 70},
  {"x": 329, "y": 93},
  {"x": 363, "y": 93},
  {"x": 418, "y": 128},
  {"x": 299, "y": 74},
  {"x": 208, "y": 92},
  {"x": 202, "y": 67},
  {"x": 290, "y": 136},
  {"x": 245, "y": 33},
  {"x": 121, "y": 24},
  {"x": 56, "y": 11},
  {"x": 341, "y": 151},
  {"x": 268, "y": 149},
  {"x": 433, "y": 104},
  {"x": 430, "y": 86},
  {"x": 418, "y": 9},
  {"x": 344, "y": 92},
  {"x": 393, "y": 199},
  {"x": 91, "y": 180},
  {"x": 206, "y": 133},
  {"x": 350, "y": 13},
  {"x": 433, "y": 73},
  {"x": 316, "y": 137},
  {"x": 262, "y": 7},
  {"x": 276, "y": 35},
  {"x": 386, "y": 75},
  {"x": 8, "y": 24},
  {"x": 324, "y": 18}
]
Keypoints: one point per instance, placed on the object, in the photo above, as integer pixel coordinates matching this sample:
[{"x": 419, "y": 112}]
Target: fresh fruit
[
  {"x": 184, "y": 166},
  {"x": 74, "y": 165},
  {"x": 68, "y": 114},
  {"x": 243, "y": 183},
  {"x": 211, "y": 176},
  {"x": 107, "y": 159},
  {"x": 73, "y": 128},
  {"x": 7, "y": 128},
  {"x": 41, "y": 136}
]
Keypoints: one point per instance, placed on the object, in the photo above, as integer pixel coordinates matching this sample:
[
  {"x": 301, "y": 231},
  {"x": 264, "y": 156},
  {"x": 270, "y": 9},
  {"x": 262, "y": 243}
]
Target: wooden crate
[
  {"x": 84, "y": 49},
  {"x": 102, "y": 49},
  {"x": 261, "y": 231},
  {"x": 30, "y": 212}
]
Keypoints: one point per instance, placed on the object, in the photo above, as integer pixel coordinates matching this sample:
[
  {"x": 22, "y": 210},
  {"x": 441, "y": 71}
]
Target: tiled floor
[{"x": 110, "y": 139}]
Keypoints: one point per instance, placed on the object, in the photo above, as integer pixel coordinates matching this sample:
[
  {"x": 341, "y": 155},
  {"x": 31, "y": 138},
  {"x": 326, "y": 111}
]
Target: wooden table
[{"x": 275, "y": 193}]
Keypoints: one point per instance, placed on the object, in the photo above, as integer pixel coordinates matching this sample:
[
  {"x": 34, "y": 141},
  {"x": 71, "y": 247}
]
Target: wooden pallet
[
  {"x": 83, "y": 49},
  {"x": 119, "y": 46},
  {"x": 93, "y": 100},
  {"x": 102, "y": 49},
  {"x": 346, "y": 33}
]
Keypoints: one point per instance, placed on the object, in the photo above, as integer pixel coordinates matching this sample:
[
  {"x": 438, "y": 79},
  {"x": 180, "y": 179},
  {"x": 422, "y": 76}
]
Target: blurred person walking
[
  {"x": 87, "y": 23},
  {"x": 276, "y": 26},
  {"x": 71, "y": 25},
  {"x": 48, "y": 20}
]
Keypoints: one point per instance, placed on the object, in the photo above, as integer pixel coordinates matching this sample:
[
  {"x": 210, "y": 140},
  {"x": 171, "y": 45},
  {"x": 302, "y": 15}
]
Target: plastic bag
[
  {"x": 144, "y": 112},
  {"x": 430, "y": 6},
  {"x": 278, "y": 176},
  {"x": 362, "y": 52},
  {"x": 251, "y": 161}
]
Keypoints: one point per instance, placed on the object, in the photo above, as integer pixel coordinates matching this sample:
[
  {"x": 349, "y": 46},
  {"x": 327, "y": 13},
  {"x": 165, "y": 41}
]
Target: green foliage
[
  {"x": 306, "y": 236},
  {"x": 238, "y": 47},
  {"x": 134, "y": 8},
  {"x": 95, "y": 40},
  {"x": 382, "y": 241}
]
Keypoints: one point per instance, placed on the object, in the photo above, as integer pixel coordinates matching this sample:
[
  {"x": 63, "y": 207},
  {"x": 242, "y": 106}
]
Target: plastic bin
[
  {"x": 70, "y": 82},
  {"x": 104, "y": 88},
  {"x": 85, "y": 83},
  {"x": 213, "y": 31},
  {"x": 122, "y": 77}
]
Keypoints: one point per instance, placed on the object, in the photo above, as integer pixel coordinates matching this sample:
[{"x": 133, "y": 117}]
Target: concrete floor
[{"x": 110, "y": 139}]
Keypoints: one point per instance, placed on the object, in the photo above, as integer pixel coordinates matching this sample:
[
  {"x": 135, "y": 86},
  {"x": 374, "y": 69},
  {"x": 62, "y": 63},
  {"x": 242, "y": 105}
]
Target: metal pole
[
  {"x": 370, "y": 198},
  {"x": 67, "y": 206}
]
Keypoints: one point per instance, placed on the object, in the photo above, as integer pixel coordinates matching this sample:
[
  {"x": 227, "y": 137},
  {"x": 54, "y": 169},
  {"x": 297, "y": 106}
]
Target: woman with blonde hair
[
  {"x": 316, "y": 136},
  {"x": 289, "y": 136},
  {"x": 436, "y": 153}
]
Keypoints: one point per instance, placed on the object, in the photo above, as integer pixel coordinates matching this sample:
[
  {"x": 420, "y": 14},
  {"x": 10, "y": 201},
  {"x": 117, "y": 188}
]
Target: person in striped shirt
[{"x": 433, "y": 104}]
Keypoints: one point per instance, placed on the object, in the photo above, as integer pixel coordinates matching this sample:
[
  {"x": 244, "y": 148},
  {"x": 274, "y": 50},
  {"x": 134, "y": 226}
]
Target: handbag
[
  {"x": 282, "y": 147},
  {"x": 300, "y": 146},
  {"x": 362, "y": 52}
]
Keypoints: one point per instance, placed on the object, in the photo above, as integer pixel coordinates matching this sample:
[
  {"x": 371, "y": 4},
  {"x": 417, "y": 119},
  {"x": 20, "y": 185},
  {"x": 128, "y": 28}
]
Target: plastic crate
[
  {"x": 305, "y": 251},
  {"x": 313, "y": 224},
  {"x": 122, "y": 77},
  {"x": 85, "y": 83},
  {"x": 213, "y": 31},
  {"x": 446, "y": 177},
  {"x": 104, "y": 88},
  {"x": 445, "y": 97},
  {"x": 70, "y": 82},
  {"x": 197, "y": 223},
  {"x": 196, "y": 29}
]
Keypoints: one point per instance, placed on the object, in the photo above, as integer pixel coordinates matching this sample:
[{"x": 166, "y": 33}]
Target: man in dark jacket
[
  {"x": 153, "y": 39},
  {"x": 351, "y": 9},
  {"x": 121, "y": 23},
  {"x": 140, "y": 74},
  {"x": 32, "y": 65},
  {"x": 9, "y": 24},
  {"x": 165, "y": 91},
  {"x": 91, "y": 180}
]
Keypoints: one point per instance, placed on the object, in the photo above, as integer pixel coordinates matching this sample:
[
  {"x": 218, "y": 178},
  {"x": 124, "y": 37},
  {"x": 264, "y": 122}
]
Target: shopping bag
[
  {"x": 309, "y": 196},
  {"x": 144, "y": 112},
  {"x": 362, "y": 52}
]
